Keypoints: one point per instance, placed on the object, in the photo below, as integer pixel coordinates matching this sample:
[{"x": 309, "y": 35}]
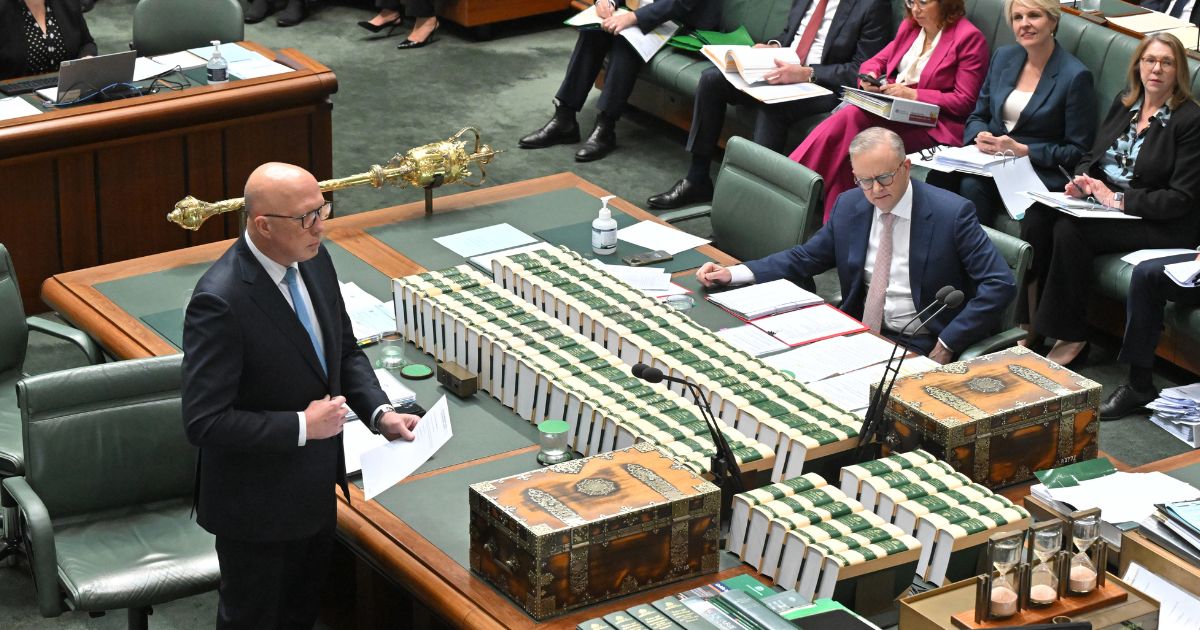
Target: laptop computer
[{"x": 80, "y": 77}]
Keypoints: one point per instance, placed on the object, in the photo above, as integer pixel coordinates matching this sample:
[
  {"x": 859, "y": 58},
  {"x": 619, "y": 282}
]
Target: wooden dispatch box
[
  {"x": 997, "y": 418},
  {"x": 581, "y": 532}
]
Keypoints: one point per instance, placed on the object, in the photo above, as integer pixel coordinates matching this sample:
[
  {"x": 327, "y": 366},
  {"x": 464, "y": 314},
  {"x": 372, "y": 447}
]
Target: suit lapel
[
  {"x": 947, "y": 42},
  {"x": 1044, "y": 87},
  {"x": 1008, "y": 82},
  {"x": 270, "y": 299},
  {"x": 840, "y": 17},
  {"x": 919, "y": 238},
  {"x": 796, "y": 20},
  {"x": 857, "y": 239}
]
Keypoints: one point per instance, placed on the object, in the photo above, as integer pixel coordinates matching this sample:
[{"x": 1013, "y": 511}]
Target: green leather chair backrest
[
  {"x": 163, "y": 26},
  {"x": 1019, "y": 256},
  {"x": 14, "y": 334},
  {"x": 762, "y": 18},
  {"x": 107, "y": 436},
  {"x": 763, "y": 202}
]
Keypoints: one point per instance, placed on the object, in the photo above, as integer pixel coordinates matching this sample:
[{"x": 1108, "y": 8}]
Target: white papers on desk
[
  {"x": 484, "y": 261},
  {"x": 1150, "y": 22},
  {"x": 1081, "y": 208},
  {"x": 183, "y": 59},
  {"x": 751, "y": 340},
  {"x": 1142, "y": 255},
  {"x": 1178, "y": 609},
  {"x": 1184, "y": 274},
  {"x": 369, "y": 316},
  {"x": 672, "y": 289},
  {"x": 588, "y": 17},
  {"x": 809, "y": 324},
  {"x": 259, "y": 67},
  {"x": 17, "y": 107},
  {"x": 231, "y": 51},
  {"x": 839, "y": 355},
  {"x": 647, "y": 44},
  {"x": 1189, "y": 35},
  {"x": 1124, "y": 496},
  {"x": 397, "y": 392},
  {"x": 642, "y": 278},
  {"x": 486, "y": 239},
  {"x": 146, "y": 67},
  {"x": 852, "y": 391},
  {"x": 388, "y": 464},
  {"x": 769, "y": 298},
  {"x": 1015, "y": 179},
  {"x": 653, "y": 235},
  {"x": 1177, "y": 411}
]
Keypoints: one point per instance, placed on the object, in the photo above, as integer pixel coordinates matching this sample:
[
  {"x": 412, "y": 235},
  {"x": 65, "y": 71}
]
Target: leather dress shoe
[
  {"x": 560, "y": 130},
  {"x": 683, "y": 193},
  {"x": 292, "y": 14},
  {"x": 602, "y": 141},
  {"x": 254, "y": 11},
  {"x": 1124, "y": 401}
]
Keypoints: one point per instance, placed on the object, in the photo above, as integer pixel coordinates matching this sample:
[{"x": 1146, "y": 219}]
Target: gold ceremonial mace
[{"x": 427, "y": 166}]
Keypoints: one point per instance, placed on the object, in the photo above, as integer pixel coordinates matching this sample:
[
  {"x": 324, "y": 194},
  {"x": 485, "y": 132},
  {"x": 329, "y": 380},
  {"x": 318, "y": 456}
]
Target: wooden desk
[
  {"x": 380, "y": 537},
  {"x": 92, "y": 184}
]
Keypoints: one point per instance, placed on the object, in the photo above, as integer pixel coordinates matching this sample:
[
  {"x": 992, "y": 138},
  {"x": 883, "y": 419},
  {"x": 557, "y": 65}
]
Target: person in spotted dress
[{"x": 37, "y": 35}]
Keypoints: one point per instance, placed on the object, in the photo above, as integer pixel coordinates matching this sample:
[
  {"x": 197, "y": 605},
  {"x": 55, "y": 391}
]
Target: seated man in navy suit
[{"x": 895, "y": 242}]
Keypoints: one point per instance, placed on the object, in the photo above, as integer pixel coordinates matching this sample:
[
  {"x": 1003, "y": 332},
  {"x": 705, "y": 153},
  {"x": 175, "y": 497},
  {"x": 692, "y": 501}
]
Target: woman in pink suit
[{"x": 936, "y": 57}]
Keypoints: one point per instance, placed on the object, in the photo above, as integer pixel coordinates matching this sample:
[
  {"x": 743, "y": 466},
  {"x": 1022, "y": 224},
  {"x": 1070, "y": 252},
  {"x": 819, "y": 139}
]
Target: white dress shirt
[
  {"x": 1186, "y": 14},
  {"x": 818, "y": 45},
  {"x": 1011, "y": 110}
]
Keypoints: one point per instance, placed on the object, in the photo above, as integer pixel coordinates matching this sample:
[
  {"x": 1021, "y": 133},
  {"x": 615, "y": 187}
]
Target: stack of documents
[
  {"x": 1121, "y": 496},
  {"x": 810, "y": 324},
  {"x": 370, "y": 317},
  {"x": 652, "y": 279},
  {"x": 356, "y": 437},
  {"x": 768, "y": 298},
  {"x": 1185, "y": 274},
  {"x": 852, "y": 391},
  {"x": 1177, "y": 411},
  {"x": 967, "y": 159},
  {"x": 746, "y": 68},
  {"x": 1079, "y": 207},
  {"x": 892, "y": 107},
  {"x": 839, "y": 355}
]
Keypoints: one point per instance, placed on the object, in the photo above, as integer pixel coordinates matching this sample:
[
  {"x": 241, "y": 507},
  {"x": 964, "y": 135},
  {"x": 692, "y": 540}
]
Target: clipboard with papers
[{"x": 1082, "y": 208}]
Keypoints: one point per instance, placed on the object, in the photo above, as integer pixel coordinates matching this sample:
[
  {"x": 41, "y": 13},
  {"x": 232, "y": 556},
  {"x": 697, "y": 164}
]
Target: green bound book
[
  {"x": 687, "y": 618},
  {"x": 594, "y": 624},
  {"x": 653, "y": 618},
  {"x": 623, "y": 621}
]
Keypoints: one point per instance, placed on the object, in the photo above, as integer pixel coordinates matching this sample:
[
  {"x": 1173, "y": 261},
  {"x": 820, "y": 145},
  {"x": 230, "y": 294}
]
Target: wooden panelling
[
  {"x": 138, "y": 184},
  {"x": 77, "y": 210},
  {"x": 29, "y": 228},
  {"x": 266, "y": 139},
  {"x": 206, "y": 180}
]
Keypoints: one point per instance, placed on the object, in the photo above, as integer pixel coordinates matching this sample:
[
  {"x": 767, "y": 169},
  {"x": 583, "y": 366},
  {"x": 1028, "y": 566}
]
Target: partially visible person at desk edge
[
  {"x": 1037, "y": 101},
  {"x": 269, "y": 363},
  {"x": 937, "y": 57},
  {"x": 1182, "y": 9},
  {"x": 38, "y": 35},
  {"x": 624, "y": 63},
  {"x": 859, "y": 28},
  {"x": 1146, "y": 163},
  {"x": 1149, "y": 291},
  {"x": 895, "y": 243},
  {"x": 391, "y": 14}
]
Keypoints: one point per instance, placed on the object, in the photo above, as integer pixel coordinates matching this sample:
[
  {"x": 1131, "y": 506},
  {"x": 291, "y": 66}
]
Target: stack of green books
[
  {"x": 959, "y": 536},
  {"x": 852, "y": 477},
  {"x": 742, "y": 502}
]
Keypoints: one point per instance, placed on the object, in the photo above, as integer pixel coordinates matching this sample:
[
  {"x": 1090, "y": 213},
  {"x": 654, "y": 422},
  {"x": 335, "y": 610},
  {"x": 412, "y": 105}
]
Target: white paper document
[
  {"x": 486, "y": 239},
  {"x": 369, "y": 316},
  {"x": 647, "y": 44},
  {"x": 1149, "y": 22},
  {"x": 17, "y": 107},
  {"x": 769, "y": 298},
  {"x": 1015, "y": 177},
  {"x": 852, "y": 391},
  {"x": 182, "y": 59},
  {"x": 232, "y": 53},
  {"x": 672, "y": 289},
  {"x": 751, "y": 340},
  {"x": 1178, "y": 609},
  {"x": 1124, "y": 496},
  {"x": 145, "y": 67},
  {"x": 589, "y": 17},
  {"x": 643, "y": 278},
  {"x": 1081, "y": 208},
  {"x": 397, "y": 392},
  {"x": 781, "y": 93},
  {"x": 254, "y": 68},
  {"x": 809, "y": 324},
  {"x": 356, "y": 440},
  {"x": 653, "y": 235},
  {"x": 1185, "y": 274},
  {"x": 389, "y": 464},
  {"x": 1142, "y": 255},
  {"x": 839, "y": 355}
]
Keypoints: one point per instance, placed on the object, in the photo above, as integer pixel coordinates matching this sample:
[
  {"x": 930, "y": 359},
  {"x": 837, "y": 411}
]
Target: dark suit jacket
[
  {"x": 1166, "y": 177},
  {"x": 947, "y": 247},
  {"x": 1162, "y": 6},
  {"x": 859, "y": 29},
  {"x": 248, "y": 367},
  {"x": 1057, "y": 122},
  {"x": 704, "y": 14},
  {"x": 14, "y": 53}
]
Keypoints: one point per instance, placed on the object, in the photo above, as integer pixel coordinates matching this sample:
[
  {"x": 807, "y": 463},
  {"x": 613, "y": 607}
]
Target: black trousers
[
  {"x": 982, "y": 192},
  {"x": 587, "y": 59},
  {"x": 412, "y": 8},
  {"x": 272, "y": 584},
  {"x": 771, "y": 124},
  {"x": 1149, "y": 290},
  {"x": 1064, "y": 248}
]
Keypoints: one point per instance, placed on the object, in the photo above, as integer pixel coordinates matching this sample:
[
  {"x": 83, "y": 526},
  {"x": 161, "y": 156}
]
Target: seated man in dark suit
[
  {"x": 895, "y": 243},
  {"x": 831, "y": 37},
  {"x": 1149, "y": 290},
  {"x": 269, "y": 362},
  {"x": 624, "y": 63},
  {"x": 1182, "y": 9}
]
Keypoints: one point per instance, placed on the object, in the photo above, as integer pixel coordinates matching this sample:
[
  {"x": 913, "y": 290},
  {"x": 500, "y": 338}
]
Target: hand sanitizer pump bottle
[
  {"x": 218, "y": 68},
  {"x": 604, "y": 230}
]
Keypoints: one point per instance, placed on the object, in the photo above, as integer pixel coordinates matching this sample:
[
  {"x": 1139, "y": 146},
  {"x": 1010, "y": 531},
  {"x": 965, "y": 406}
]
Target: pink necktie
[
  {"x": 804, "y": 44},
  {"x": 873, "y": 313}
]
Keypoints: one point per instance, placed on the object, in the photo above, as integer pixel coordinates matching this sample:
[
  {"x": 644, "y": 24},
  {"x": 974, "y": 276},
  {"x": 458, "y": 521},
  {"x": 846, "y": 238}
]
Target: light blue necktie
[{"x": 302, "y": 313}]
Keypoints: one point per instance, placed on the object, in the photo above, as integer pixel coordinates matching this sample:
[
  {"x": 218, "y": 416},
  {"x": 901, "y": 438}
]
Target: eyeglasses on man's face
[
  {"x": 308, "y": 219},
  {"x": 885, "y": 180}
]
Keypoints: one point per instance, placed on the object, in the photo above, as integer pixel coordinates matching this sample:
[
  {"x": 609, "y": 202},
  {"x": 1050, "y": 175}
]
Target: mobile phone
[
  {"x": 647, "y": 258},
  {"x": 866, "y": 78}
]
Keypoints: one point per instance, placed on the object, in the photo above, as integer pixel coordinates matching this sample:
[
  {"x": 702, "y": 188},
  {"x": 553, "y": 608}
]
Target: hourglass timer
[
  {"x": 1085, "y": 571},
  {"x": 998, "y": 594},
  {"x": 1043, "y": 576}
]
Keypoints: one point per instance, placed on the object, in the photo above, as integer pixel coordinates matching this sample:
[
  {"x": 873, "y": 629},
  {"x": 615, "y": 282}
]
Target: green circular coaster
[
  {"x": 416, "y": 371},
  {"x": 553, "y": 426}
]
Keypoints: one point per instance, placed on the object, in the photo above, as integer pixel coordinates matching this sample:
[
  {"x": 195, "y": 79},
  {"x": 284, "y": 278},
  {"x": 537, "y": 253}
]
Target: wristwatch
[
  {"x": 379, "y": 416},
  {"x": 1119, "y": 200}
]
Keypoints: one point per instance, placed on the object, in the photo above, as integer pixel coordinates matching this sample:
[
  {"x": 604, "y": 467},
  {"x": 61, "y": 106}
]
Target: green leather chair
[
  {"x": 763, "y": 202},
  {"x": 164, "y": 26},
  {"x": 1019, "y": 256},
  {"x": 14, "y": 341},
  {"x": 107, "y": 493}
]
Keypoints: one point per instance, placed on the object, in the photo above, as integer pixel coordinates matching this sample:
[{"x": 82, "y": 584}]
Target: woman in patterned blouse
[
  {"x": 37, "y": 35},
  {"x": 1145, "y": 163}
]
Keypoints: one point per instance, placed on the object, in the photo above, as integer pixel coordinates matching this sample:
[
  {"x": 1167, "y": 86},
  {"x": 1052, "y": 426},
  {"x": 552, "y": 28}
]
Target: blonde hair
[
  {"x": 1052, "y": 8},
  {"x": 1183, "y": 81}
]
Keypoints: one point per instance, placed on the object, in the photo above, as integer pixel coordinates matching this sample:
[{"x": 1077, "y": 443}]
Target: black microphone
[{"x": 639, "y": 369}]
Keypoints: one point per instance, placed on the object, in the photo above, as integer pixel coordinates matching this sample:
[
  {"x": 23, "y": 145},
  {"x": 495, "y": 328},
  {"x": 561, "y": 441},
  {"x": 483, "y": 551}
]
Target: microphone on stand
[
  {"x": 723, "y": 465},
  {"x": 947, "y": 297}
]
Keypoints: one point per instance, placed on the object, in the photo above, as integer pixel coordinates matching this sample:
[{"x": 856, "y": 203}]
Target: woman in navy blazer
[{"x": 1037, "y": 101}]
